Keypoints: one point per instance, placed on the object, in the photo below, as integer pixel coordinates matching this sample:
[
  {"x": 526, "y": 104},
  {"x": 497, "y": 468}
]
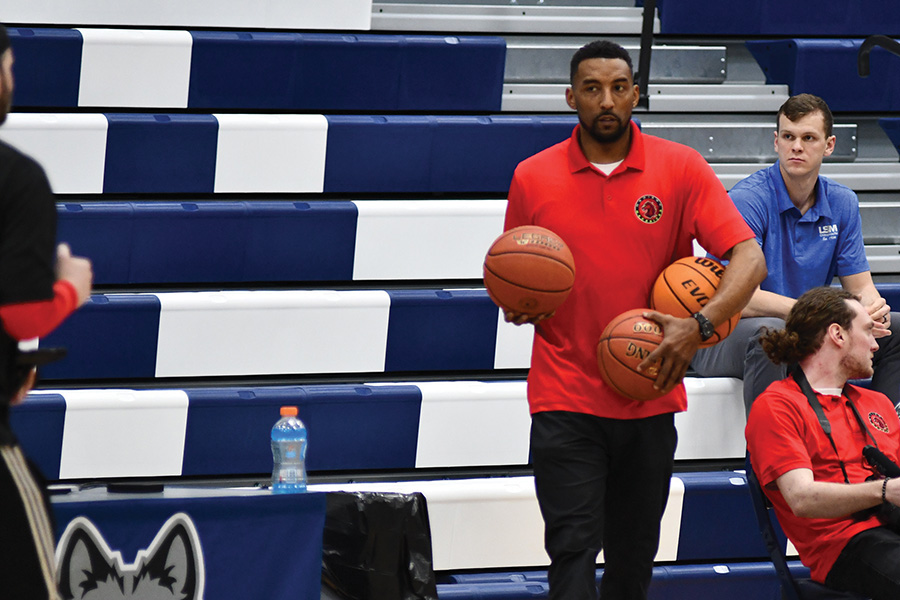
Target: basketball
[
  {"x": 624, "y": 344},
  {"x": 529, "y": 270},
  {"x": 685, "y": 286}
]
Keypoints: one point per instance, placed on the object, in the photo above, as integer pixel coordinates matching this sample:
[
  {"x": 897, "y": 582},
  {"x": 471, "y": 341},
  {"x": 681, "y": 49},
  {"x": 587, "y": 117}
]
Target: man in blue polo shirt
[{"x": 810, "y": 231}]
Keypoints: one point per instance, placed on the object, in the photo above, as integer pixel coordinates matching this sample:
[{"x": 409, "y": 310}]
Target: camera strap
[{"x": 800, "y": 377}]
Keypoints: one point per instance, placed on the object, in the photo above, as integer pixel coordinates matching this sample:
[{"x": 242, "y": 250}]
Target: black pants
[
  {"x": 869, "y": 565},
  {"x": 601, "y": 484},
  {"x": 27, "y": 569}
]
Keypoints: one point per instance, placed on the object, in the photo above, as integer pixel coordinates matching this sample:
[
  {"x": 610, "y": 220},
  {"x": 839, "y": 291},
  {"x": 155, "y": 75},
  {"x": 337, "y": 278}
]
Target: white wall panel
[
  {"x": 271, "y": 153},
  {"x": 473, "y": 423},
  {"x": 123, "y": 433},
  {"x": 271, "y": 332},
  {"x": 713, "y": 426},
  {"x": 496, "y": 523},
  {"x": 425, "y": 239},
  {"x": 278, "y": 14},
  {"x": 513, "y": 349},
  {"x": 135, "y": 68},
  {"x": 70, "y": 147}
]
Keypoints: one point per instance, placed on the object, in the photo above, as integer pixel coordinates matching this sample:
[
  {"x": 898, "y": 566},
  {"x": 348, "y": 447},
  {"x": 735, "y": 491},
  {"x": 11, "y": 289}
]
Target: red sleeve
[
  {"x": 515, "y": 209},
  {"x": 776, "y": 435},
  {"x": 36, "y": 319},
  {"x": 717, "y": 224}
]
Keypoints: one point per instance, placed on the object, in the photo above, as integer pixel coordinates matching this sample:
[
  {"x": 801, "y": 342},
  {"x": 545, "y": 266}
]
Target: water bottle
[{"x": 289, "y": 453}]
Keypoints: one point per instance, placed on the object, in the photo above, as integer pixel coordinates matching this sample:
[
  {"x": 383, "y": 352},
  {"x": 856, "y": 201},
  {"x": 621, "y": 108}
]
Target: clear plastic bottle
[{"x": 289, "y": 453}]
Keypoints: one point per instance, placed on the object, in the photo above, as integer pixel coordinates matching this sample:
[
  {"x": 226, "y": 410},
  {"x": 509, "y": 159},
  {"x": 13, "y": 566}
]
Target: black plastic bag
[{"x": 377, "y": 546}]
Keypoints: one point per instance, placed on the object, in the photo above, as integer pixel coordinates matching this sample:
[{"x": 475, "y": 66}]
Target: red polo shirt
[
  {"x": 783, "y": 434},
  {"x": 623, "y": 230}
]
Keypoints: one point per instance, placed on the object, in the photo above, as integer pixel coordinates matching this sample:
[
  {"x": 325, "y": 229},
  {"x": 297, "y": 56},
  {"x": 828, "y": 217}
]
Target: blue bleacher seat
[
  {"x": 891, "y": 126},
  {"x": 351, "y": 427},
  {"x": 210, "y": 241},
  {"x": 717, "y": 501},
  {"x": 434, "y": 153},
  {"x": 441, "y": 342},
  {"x": 891, "y": 293},
  {"x": 48, "y": 66},
  {"x": 154, "y": 153},
  {"x": 111, "y": 336},
  {"x": 828, "y": 68},
  {"x": 39, "y": 424},
  {"x": 772, "y": 17}
]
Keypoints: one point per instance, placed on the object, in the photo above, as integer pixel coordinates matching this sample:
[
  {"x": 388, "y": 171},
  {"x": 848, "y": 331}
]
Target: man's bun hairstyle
[
  {"x": 804, "y": 330},
  {"x": 4, "y": 39}
]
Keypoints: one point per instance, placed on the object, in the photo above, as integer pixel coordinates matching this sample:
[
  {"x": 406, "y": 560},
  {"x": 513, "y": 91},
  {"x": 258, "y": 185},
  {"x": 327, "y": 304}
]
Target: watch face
[{"x": 706, "y": 326}]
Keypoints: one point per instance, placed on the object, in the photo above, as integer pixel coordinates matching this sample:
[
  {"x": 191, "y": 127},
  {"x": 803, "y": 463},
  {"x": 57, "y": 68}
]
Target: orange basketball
[
  {"x": 529, "y": 270},
  {"x": 624, "y": 344},
  {"x": 685, "y": 286}
]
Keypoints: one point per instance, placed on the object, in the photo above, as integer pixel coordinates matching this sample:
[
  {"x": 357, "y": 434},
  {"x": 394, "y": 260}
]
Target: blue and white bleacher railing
[
  {"x": 142, "y": 153},
  {"x": 302, "y": 71}
]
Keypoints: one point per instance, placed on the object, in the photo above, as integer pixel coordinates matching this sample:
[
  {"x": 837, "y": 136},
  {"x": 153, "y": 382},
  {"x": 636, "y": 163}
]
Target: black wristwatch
[{"x": 706, "y": 327}]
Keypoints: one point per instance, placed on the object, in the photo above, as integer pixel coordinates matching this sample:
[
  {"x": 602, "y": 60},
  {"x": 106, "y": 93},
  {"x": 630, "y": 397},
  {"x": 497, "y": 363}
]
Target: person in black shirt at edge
[{"x": 40, "y": 285}]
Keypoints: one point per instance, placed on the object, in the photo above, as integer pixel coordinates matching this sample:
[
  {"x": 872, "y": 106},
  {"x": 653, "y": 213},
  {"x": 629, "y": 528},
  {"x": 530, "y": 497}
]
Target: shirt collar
[
  {"x": 818, "y": 210},
  {"x": 633, "y": 160}
]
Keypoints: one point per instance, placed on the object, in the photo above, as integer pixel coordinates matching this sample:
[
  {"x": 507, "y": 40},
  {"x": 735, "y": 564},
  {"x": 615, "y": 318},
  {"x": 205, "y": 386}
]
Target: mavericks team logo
[
  {"x": 648, "y": 209},
  {"x": 878, "y": 422},
  {"x": 170, "y": 568}
]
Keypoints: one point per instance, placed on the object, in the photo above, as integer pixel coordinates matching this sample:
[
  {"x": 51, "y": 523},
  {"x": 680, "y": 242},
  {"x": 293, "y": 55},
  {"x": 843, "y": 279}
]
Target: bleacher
[{"x": 290, "y": 203}]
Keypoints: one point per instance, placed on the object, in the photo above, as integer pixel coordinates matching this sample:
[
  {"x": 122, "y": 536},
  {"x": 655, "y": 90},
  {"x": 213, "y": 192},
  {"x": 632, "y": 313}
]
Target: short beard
[
  {"x": 856, "y": 369},
  {"x": 606, "y": 138}
]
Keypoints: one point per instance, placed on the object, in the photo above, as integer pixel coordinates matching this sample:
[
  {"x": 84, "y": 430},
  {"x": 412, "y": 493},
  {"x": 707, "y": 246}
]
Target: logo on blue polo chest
[{"x": 828, "y": 232}]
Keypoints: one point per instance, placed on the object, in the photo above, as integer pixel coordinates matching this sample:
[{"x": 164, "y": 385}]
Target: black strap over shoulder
[{"x": 800, "y": 377}]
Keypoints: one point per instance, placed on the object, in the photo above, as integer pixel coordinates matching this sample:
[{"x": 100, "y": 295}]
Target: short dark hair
[
  {"x": 599, "y": 49},
  {"x": 806, "y": 324},
  {"x": 797, "y": 107}
]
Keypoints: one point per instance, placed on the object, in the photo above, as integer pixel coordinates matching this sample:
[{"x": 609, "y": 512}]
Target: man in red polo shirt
[
  {"x": 627, "y": 205},
  {"x": 817, "y": 481}
]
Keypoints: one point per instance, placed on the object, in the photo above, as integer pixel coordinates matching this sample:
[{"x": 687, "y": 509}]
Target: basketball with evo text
[
  {"x": 624, "y": 344},
  {"x": 685, "y": 286},
  {"x": 529, "y": 270}
]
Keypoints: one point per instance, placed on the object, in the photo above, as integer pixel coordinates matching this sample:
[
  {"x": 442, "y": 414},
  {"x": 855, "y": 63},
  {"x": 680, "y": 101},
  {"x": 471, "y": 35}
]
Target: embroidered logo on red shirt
[
  {"x": 878, "y": 422},
  {"x": 648, "y": 209}
]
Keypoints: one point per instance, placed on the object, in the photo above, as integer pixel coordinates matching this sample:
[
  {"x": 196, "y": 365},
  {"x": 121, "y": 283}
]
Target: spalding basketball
[
  {"x": 685, "y": 286},
  {"x": 529, "y": 270},
  {"x": 624, "y": 344}
]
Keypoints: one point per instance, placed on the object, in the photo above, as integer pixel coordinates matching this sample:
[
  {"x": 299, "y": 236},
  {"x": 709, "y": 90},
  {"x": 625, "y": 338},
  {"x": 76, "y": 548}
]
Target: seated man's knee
[{"x": 764, "y": 325}]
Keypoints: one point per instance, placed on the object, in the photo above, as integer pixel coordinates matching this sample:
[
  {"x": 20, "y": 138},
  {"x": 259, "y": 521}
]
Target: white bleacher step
[
  {"x": 860, "y": 176},
  {"x": 545, "y": 59},
  {"x": 516, "y": 18},
  {"x": 727, "y": 98},
  {"x": 721, "y": 141},
  {"x": 266, "y": 14},
  {"x": 883, "y": 258}
]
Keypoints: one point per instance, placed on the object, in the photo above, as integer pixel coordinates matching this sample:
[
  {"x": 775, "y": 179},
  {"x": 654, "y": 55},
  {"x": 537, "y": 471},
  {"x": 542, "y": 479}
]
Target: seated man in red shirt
[{"x": 821, "y": 487}]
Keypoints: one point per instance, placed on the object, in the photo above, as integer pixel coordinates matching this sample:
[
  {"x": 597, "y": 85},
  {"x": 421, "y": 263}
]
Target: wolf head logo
[{"x": 171, "y": 568}]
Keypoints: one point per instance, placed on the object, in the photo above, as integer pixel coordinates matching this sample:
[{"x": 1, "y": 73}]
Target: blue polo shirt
[{"x": 805, "y": 251}]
